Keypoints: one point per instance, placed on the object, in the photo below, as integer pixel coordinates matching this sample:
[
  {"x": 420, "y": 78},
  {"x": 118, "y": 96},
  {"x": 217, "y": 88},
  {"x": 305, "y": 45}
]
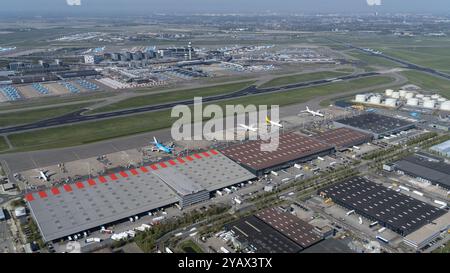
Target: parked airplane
[
  {"x": 249, "y": 128},
  {"x": 44, "y": 175},
  {"x": 273, "y": 123},
  {"x": 314, "y": 113},
  {"x": 161, "y": 147}
]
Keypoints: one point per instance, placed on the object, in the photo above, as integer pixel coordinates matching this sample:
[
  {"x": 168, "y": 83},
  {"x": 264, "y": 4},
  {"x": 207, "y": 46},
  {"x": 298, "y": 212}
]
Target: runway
[{"x": 78, "y": 117}]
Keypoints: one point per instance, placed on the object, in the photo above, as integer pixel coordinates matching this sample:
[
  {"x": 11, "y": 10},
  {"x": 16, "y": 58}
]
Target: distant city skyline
[{"x": 142, "y": 7}]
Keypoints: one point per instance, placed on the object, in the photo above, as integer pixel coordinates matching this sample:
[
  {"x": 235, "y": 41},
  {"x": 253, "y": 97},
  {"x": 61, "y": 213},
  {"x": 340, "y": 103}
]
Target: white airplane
[
  {"x": 273, "y": 123},
  {"x": 249, "y": 128},
  {"x": 314, "y": 113},
  {"x": 44, "y": 175}
]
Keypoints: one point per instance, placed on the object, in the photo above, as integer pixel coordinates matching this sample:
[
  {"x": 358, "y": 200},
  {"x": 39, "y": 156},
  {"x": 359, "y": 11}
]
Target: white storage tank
[
  {"x": 445, "y": 106},
  {"x": 360, "y": 98},
  {"x": 376, "y": 99},
  {"x": 402, "y": 93},
  {"x": 420, "y": 96},
  {"x": 388, "y": 92},
  {"x": 412, "y": 102},
  {"x": 409, "y": 95},
  {"x": 435, "y": 96},
  {"x": 391, "y": 102},
  {"x": 430, "y": 104},
  {"x": 395, "y": 95}
]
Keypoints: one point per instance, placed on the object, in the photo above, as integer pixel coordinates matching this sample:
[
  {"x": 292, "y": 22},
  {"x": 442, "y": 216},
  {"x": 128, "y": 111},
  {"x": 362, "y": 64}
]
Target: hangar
[
  {"x": 393, "y": 210},
  {"x": 343, "y": 138},
  {"x": 293, "y": 147},
  {"x": 375, "y": 124},
  {"x": 81, "y": 206}
]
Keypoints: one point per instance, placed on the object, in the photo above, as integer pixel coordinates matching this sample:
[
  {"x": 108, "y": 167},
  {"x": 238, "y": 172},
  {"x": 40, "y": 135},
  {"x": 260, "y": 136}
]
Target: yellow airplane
[{"x": 272, "y": 123}]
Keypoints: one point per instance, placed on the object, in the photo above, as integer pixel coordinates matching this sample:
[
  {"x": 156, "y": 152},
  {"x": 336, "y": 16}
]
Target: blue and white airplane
[{"x": 161, "y": 147}]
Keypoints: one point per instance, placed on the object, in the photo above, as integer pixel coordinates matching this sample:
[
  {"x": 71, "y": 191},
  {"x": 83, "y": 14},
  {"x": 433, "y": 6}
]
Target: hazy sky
[{"x": 152, "y": 6}]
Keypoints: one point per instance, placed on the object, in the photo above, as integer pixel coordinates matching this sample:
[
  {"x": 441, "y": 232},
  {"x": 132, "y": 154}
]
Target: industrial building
[
  {"x": 428, "y": 169},
  {"x": 73, "y": 208},
  {"x": 253, "y": 233},
  {"x": 443, "y": 148},
  {"x": 290, "y": 226},
  {"x": 393, "y": 210},
  {"x": 343, "y": 138},
  {"x": 292, "y": 148},
  {"x": 423, "y": 236},
  {"x": 273, "y": 231},
  {"x": 378, "y": 125}
]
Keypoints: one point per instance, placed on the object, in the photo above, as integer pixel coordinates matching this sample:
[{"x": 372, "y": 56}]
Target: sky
[{"x": 127, "y": 7}]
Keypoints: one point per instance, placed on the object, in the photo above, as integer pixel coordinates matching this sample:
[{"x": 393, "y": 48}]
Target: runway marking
[
  {"x": 79, "y": 185},
  {"x": 143, "y": 169},
  {"x": 197, "y": 156},
  {"x": 134, "y": 172},
  {"x": 123, "y": 174},
  {"x": 55, "y": 191},
  {"x": 171, "y": 162},
  {"x": 102, "y": 179}
]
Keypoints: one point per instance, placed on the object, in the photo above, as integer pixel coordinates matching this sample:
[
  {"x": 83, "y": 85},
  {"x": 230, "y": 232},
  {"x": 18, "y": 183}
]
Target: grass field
[
  {"x": 433, "y": 57},
  {"x": 83, "y": 133},
  {"x": 3, "y": 144},
  {"x": 153, "y": 99},
  {"x": 190, "y": 246},
  {"x": 302, "y": 78},
  {"x": 23, "y": 117},
  {"x": 52, "y": 101},
  {"x": 429, "y": 82}
]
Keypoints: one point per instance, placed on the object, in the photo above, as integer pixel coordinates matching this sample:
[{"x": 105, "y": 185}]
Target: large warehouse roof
[
  {"x": 375, "y": 123},
  {"x": 291, "y": 226},
  {"x": 396, "y": 211},
  {"x": 292, "y": 146},
  {"x": 261, "y": 236},
  {"x": 73, "y": 208},
  {"x": 343, "y": 137},
  {"x": 419, "y": 166}
]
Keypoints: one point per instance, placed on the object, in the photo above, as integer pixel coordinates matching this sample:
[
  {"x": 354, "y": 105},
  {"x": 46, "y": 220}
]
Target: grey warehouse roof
[
  {"x": 396, "y": 211},
  {"x": 73, "y": 208},
  {"x": 375, "y": 123}
]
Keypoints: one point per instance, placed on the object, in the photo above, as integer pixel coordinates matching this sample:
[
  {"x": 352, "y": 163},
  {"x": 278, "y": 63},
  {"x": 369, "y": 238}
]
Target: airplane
[
  {"x": 272, "y": 123},
  {"x": 44, "y": 175},
  {"x": 249, "y": 128},
  {"x": 314, "y": 113},
  {"x": 161, "y": 147}
]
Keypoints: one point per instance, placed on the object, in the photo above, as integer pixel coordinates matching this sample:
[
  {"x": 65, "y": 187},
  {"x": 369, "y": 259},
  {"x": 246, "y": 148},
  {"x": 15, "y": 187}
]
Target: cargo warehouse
[
  {"x": 375, "y": 124},
  {"x": 393, "y": 210},
  {"x": 72, "y": 208},
  {"x": 293, "y": 148},
  {"x": 426, "y": 169},
  {"x": 343, "y": 138}
]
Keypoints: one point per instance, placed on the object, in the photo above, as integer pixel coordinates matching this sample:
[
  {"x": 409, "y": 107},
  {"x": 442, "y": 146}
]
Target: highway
[{"x": 77, "y": 117}]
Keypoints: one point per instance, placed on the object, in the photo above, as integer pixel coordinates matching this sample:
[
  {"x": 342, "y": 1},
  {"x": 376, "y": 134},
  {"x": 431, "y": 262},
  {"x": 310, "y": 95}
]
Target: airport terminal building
[{"x": 86, "y": 205}]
